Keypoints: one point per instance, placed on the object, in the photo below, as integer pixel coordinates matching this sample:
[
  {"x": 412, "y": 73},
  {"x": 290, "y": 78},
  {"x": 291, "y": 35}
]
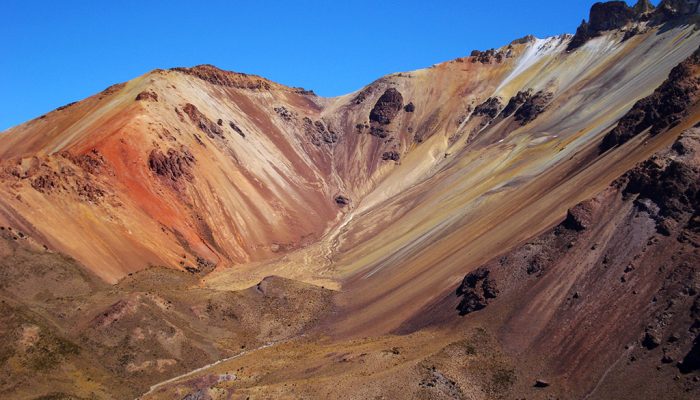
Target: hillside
[{"x": 463, "y": 230}]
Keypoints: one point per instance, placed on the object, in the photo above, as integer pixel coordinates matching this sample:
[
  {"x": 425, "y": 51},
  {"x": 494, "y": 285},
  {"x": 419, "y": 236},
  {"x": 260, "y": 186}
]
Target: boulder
[{"x": 386, "y": 107}]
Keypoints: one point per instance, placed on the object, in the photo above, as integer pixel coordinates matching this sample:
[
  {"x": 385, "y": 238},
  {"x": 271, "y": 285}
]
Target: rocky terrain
[{"x": 518, "y": 223}]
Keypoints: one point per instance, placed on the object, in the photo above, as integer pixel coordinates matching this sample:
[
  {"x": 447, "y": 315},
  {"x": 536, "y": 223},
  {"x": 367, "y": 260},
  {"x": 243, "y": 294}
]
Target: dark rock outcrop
[
  {"x": 386, "y": 107},
  {"x": 220, "y": 77},
  {"x": 691, "y": 361},
  {"x": 533, "y": 106},
  {"x": 409, "y": 107},
  {"x": 489, "y": 56},
  {"x": 341, "y": 200},
  {"x": 668, "y": 9},
  {"x": 174, "y": 164},
  {"x": 662, "y": 109},
  {"x": 391, "y": 155},
  {"x": 527, "y": 106},
  {"x": 318, "y": 132},
  {"x": 147, "y": 95},
  {"x": 475, "y": 297},
  {"x": 603, "y": 17},
  {"x": 284, "y": 113},
  {"x": 516, "y": 101},
  {"x": 489, "y": 108},
  {"x": 203, "y": 123},
  {"x": 579, "y": 217},
  {"x": 237, "y": 129}
]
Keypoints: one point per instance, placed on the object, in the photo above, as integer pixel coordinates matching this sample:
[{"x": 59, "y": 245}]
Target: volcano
[{"x": 522, "y": 222}]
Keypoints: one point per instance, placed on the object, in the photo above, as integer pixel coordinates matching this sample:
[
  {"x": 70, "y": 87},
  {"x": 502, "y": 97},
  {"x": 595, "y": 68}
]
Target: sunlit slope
[{"x": 410, "y": 245}]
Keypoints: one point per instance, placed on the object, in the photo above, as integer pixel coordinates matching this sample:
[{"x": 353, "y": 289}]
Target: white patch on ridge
[{"x": 537, "y": 49}]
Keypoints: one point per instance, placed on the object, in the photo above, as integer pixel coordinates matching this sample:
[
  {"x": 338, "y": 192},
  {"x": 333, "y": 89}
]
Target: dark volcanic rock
[
  {"x": 236, "y": 128},
  {"x": 386, "y": 108},
  {"x": 603, "y": 17},
  {"x": 203, "y": 123},
  {"x": 489, "y": 108},
  {"x": 516, "y": 101},
  {"x": 488, "y": 56},
  {"x": 650, "y": 341},
  {"x": 691, "y": 361},
  {"x": 318, "y": 132},
  {"x": 489, "y": 287},
  {"x": 216, "y": 76},
  {"x": 527, "y": 106},
  {"x": 533, "y": 107},
  {"x": 147, "y": 96},
  {"x": 409, "y": 108},
  {"x": 610, "y": 15},
  {"x": 579, "y": 217},
  {"x": 662, "y": 109},
  {"x": 668, "y": 9},
  {"x": 541, "y": 383},
  {"x": 471, "y": 301},
  {"x": 391, "y": 155},
  {"x": 474, "y": 297},
  {"x": 674, "y": 187},
  {"x": 341, "y": 200},
  {"x": 173, "y": 165}
]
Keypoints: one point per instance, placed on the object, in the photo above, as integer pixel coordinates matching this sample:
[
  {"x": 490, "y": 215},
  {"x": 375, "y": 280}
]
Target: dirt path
[{"x": 200, "y": 369}]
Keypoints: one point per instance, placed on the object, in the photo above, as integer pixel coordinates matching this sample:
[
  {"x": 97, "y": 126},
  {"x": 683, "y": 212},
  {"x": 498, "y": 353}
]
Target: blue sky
[{"x": 55, "y": 52}]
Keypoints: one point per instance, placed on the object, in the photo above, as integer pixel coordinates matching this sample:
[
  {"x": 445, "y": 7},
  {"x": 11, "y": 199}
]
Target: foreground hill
[{"x": 176, "y": 196}]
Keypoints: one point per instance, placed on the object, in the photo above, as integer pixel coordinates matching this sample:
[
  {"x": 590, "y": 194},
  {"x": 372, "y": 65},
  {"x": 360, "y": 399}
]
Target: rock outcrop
[
  {"x": 489, "y": 108},
  {"x": 386, "y": 107},
  {"x": 174, "y": 164},
  {"x": 527, "y": 106},
  {"x": 474, "y": 296},
  {"x": 662, "y": 109},
  {"x": 206, "y": 125},
  {"x": 147, "y": 95}
]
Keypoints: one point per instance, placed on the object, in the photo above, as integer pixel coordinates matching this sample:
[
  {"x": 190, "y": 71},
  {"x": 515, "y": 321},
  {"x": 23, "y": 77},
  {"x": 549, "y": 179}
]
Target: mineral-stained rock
[
  {"x": 236, "y": 128},
  {"x": 579, "y": 217},
  {"x": 489, "y": 287},
  {"x": 386, "y": 107},
  {"x": 668, "y": 9},
  {"x": 488, "y": 56},
  {"x": 284, "y": 113},
  {"x": 490, "y": 108},
  {"x": 147, "y": 96},
  {"x": 341, "y": 200},
  {"x": 515, "y": 102},
  {"x": 391, "y": 155},
  {"x": 610, "y": 15},
  {"x": 173, "y": 165},
  {"x": 475, "y": 297},
  {"x": 541, "y": 383},
  {"x": 533, "y": 106},
  {"x": 662, "y": 109},
  {"x": 318, "y": 132},
  {"x": 220, "y": 77},
  {"x": 603, "y": 17},
  {"x": 650, "y": 341},
  {"x": 527, "y": 106},
  {"x": 203, "y": 123},
  {"x": 471, "y": 301},
  {"x": 691, "y": 361}
]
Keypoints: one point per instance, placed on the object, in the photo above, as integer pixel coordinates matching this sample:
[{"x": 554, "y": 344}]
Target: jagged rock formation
[
  {"x": 663, "y": 109},
  {"x": 386, "y": 107}
]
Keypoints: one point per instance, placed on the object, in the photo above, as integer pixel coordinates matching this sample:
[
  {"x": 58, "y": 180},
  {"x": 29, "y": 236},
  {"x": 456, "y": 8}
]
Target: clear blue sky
[{"x": 55, "y": 52}]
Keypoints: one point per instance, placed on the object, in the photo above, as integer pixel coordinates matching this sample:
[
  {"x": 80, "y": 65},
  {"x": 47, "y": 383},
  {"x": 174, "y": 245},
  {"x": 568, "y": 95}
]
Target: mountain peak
[{"x": 238, "y": 80}]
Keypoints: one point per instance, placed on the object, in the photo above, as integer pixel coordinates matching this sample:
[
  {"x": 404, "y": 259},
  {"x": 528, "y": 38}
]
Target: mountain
[{"x": 521, "y": 222}]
